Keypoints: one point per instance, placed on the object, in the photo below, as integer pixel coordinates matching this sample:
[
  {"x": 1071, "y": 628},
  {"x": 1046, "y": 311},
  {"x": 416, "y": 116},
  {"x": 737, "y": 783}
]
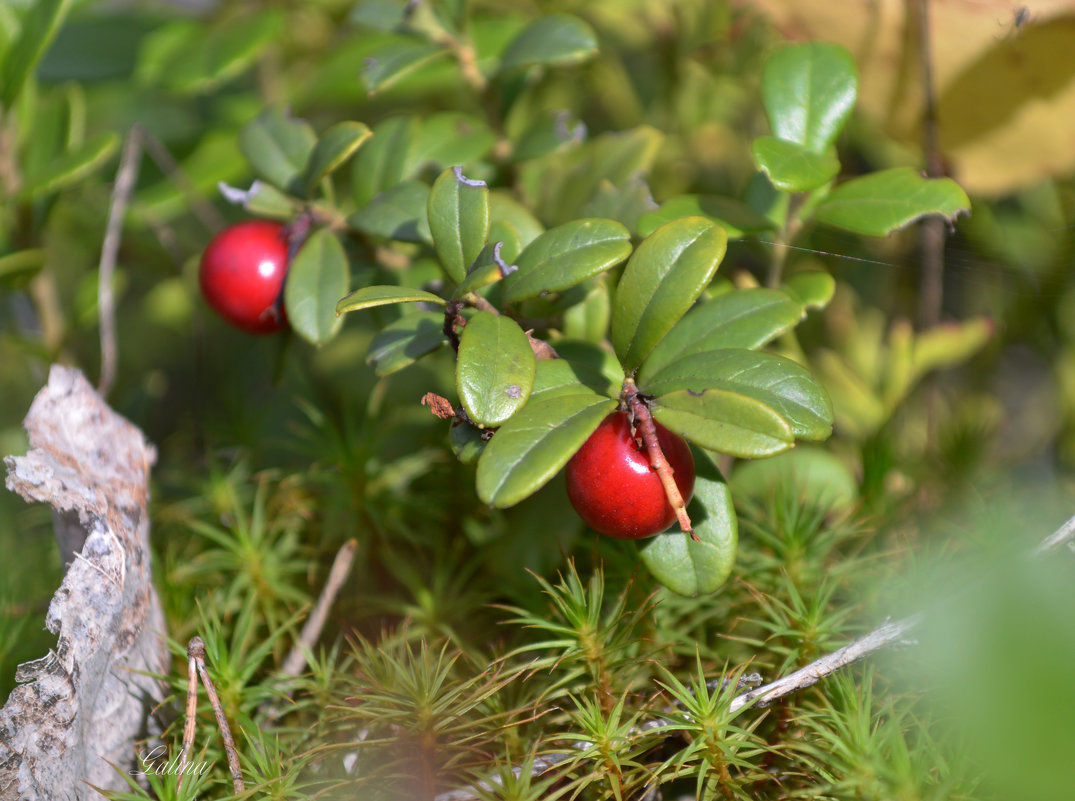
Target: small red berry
[
  {"x": 612, "y": 486},
  {"x": 242, "y": 275}
]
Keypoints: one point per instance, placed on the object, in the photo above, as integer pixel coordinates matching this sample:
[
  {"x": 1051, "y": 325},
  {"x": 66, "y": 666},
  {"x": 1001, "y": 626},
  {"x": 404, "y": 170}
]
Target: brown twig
[
  {"x": 641, "y": 413},
  {"x": 199, "y": 206},
  {"x": 337, "y": 575},
  {"x": 196, "y": 654},
  {"x": 126, "y": 176},
  {"x": 931, "y": 296},
  {"x": 191, "y": 721}
]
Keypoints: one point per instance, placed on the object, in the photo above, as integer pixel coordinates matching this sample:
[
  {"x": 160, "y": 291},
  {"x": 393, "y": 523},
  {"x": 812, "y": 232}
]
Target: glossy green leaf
[
  {"x": 16, "y": 269},
  {"x": 466, "y": 442},
  {"x": 809, "y": 90},
  {"x": 792, "y": 167},
  {"x": 458, "y": 210},
  {"x": 807, "y": 473},
  {"x": 589, "y": 318},
  {"x": 277, "y": 146},
  {"x": 781, "y": 384},
  {"x": 450, "y": 138},
  {"x": 385, "y": 160},
  {"x": 489, "y": 268},
  {"x": 370, "y": 296},
  {"x": 563, "y": 377},
  {"x": 396, "y": 61},
  {"x": 262, "y": 200},
  {"x": 688, "y": 567},
  {"x": 334, "y": 147},
  {"x": 39, "y": 26},
  {"x": 495, "y": 368},
  {"x": 532, "y": 447},
  {"x": 735, "y": 217},
  {"x": 743, "y": 318},
  {"x": 316, "y": 280},
  {"x": 403, "y": 342},
  {"x": 812, "y": 289},
  {"x": 551, "y": 39},
  {"x": 726, "y": 422},
  {"x": 567, "y": 255},
  {"x": 882, "y": 202},
  {"x": 71, "y": 167},
  {"x": 396, "y": 213},
  {"x": 666, "y": 274},
  {"x": 595, "y": 358}
]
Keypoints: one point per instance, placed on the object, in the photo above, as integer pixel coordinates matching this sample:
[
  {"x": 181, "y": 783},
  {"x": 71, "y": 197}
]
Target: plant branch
[
  {"x": 196, "y": 655},
  {"x": 931, "y": 296}
]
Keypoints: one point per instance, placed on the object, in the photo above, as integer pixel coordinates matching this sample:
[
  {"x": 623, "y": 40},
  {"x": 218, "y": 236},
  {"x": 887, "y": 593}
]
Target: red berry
[
  {"x": 614, "y": 489},
  {"x": 242, "y": 275}
]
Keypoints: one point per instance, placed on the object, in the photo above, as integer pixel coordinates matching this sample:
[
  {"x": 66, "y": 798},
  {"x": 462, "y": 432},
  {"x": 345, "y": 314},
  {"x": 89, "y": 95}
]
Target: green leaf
[
  {"x": 504, "y": 208},
  {"x": 458, "y": 210},
  {"x": 333, "y": 148},
  {"x": 563, "y": 377},
  {"x": 278, "y": 147},
  {"x": 809, "y": 90},
  {"x": 495, "y": 368},
  {"x": 791, "y": 167},
  {"x": 262, "y": 200},
  {"x": 532, "y": 447},
  {"x": 743, "y": 318},
  {"x": 726, "y": 422},
  {"x": 687, "y": 567},
  {"x": 781, "y": 384},
  {"x": 625, "y": 203},
  {"x": 451, "y": 138},
  {"x": 385, "y": 160},
  {"x": 808, "y": 474},
  {"x": 317, "y": 278},
  {"x": 39, "y": 25},
  {"x": 949, "y": 344},
  {"x": 396, "y": 213},
  {"x": 16, "y": 269},
  {"x": 735, "y": 217},
  {"x": 666, "y": 274},
  {"x": 489, "y": 268},
  {"x": 466, "y": 442},
  {"x": 589, "y": 318},
  {"x": 552, "y": 39},
  {"x": 403, "y": 342},
  {"x": 812, "y": 289},
  {"x": 396, "y": 61},
  {"x": 882, "y": 202},
  {"x": 567, "y": 255},
  {"x": 370, "y": 296},
  {"x": 548, "y": 134},
  {"x": 71, "y": 167}
]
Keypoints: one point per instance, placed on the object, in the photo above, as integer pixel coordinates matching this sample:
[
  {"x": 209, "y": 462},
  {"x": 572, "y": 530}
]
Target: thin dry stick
[
  {"x": 341, "y": 566},
  {"x": 106, "y": 304},
  {"x": 196, "y": 652},
  {"x": 659, "y": 463},
  {"x": 199, "y": 206},
  {"x": 192, "y": 710},
  {"x": 931, "y": 298}
]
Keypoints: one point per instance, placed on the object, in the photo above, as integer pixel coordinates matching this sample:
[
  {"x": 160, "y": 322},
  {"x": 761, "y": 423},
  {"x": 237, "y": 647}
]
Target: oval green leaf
[
  {"x": 262, "y": 200},
  {"x": 397, "y": 213},
  {"x": 385, "y": 160},
  {"x": 791, "y": 167},
  {"x": 666, "y": 274},
  {"x": 781, "y": 384},
  {"x": 370, "y": 296},
  {"x": 396, "y": 61},
  {"x": 741, "y": 318},
  {"x": 812, "y": 289},
  {"x": 532, "y": 447},
  {"x": 735, "y": 217},
  {"x": 332, "y": 150},
  {"x": 71, "y": 167},
  {"x": 687, "y": 567},
  {"x": 883, "y": 202},
  {"x": 552, "y": 39},
  {"x": 466, "y": 442},
  {"x": 39, "y": 26},
  {"x": 317, "y": 278},
  {"x": 726, "y": 422},
  {"x": 809, "y": 90},
  {"x": 277, "y": 146},
  {"x": 495, "y": 369},
  {"x": 458, "y": 211},
  {"x": 406, "y": 340},
  {"x": 562, "y": 377},
  {"x": 567, "y": 255}
]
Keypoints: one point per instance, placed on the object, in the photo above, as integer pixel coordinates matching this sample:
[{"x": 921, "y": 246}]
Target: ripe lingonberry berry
[{"x": 242, "y": 275}]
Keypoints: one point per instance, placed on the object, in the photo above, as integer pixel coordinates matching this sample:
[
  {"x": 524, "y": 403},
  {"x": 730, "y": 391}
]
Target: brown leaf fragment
[
  {"x": 84, "y": 704},
  {"x": 439, "y": 405}
]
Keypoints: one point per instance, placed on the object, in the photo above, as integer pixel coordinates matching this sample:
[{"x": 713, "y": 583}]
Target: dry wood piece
[{"x": 83, "y": 704}]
